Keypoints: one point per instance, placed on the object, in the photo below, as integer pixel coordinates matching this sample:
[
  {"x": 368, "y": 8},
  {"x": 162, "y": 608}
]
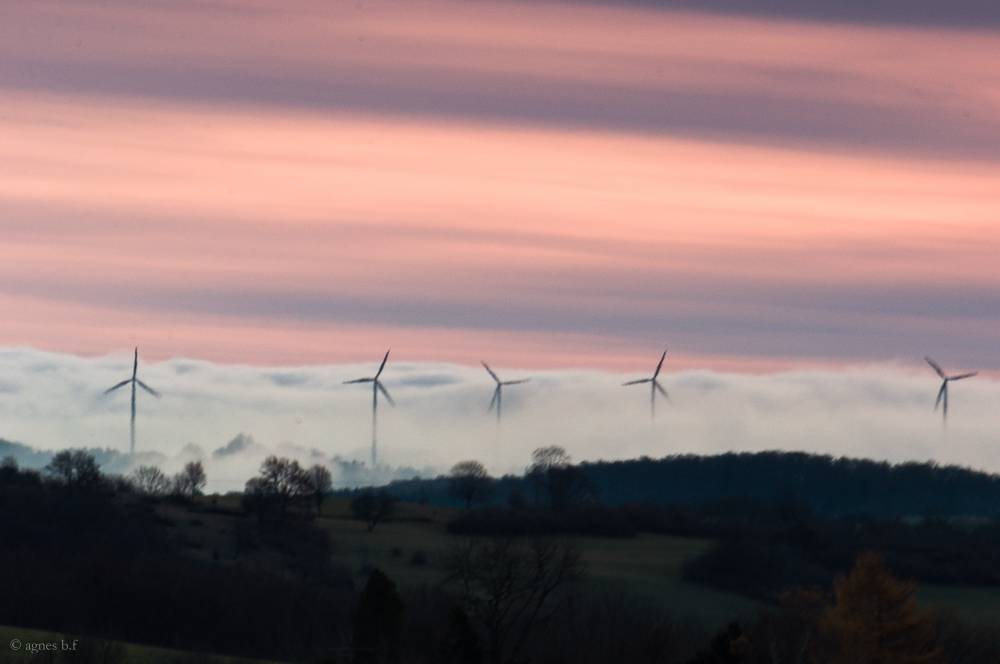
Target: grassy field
[
  {"x": 976, "y": 604},
  {"x": 412, "y": 549}
]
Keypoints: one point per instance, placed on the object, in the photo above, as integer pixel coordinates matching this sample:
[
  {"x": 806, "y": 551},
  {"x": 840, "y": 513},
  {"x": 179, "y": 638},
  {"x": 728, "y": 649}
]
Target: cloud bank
[{"x": 231, "y": 417}]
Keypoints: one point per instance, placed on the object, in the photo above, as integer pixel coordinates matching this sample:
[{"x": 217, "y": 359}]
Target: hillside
[{"x": 826, "y": 485}]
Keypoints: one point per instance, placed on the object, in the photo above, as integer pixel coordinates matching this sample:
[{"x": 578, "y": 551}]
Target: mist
[{"x": 232, "y": 416}]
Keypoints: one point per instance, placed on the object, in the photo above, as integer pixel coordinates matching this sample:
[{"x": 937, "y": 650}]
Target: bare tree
[
  {"x": 373, "y": 508},
  {"x": 469, "y": 481},
  {"x": 552, "y": 456},
  {"x": 191, "y": 480},
  {"x": 282, "y": 485},
  {"x": 151, "y": 481},
  {"x": 551, "y": 472},
  {"x": 322, "y": 482},
  {"x": 511, "y": 587},
  {"x": 75, "y": 468}
]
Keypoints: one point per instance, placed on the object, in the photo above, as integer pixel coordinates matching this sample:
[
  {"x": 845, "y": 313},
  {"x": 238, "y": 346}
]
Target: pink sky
[{"x": 542, "y": 185}]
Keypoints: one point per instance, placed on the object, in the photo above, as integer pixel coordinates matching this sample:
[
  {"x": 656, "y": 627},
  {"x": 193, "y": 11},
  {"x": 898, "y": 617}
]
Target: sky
[{"x": 561, "y": 189}]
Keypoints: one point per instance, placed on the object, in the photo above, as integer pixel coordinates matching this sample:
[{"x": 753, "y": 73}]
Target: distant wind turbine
[
  {"x": 943, "y": 392},
  {"x": 376, "y": 388},
  {"x": 135, "y": 381},
  {"x": 654, "y": 385},
  {"x": 498, "y": 393}
]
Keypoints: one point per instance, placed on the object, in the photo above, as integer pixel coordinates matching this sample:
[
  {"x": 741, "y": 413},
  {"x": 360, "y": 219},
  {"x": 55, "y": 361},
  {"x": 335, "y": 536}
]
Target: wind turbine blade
[
  {"x": 941, "y": 393},
  {"x": 516, "y": 382},
  {"x": 493, "y": 402},
  {"x": 934, "y": 364},
  {"x": 636, "y": 382},
  {"x": 662, "y": 391},
  {"x": 384, "y": 393},
  {"x": 147, "y": 388},
  {"x": 135, "y": 362},
  {"x": 967, "y": 375},
  {"x": 382, "y": 366},
  {"x": 112, "y": 389},
  {"x": 491, "y": 372},
  {"x": 657, "y": 372},
  {"x": 359, "y": 380}
]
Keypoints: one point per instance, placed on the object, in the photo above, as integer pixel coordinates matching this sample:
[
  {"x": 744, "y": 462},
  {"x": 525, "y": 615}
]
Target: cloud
[
  {"x": 241, "y": 444},
  {"x": 882, "y": 412},
  {"x": 583, "y": 67}
]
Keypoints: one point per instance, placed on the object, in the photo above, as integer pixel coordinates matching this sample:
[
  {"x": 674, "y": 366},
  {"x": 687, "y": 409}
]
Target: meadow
[{"x": 412, "y": 549}]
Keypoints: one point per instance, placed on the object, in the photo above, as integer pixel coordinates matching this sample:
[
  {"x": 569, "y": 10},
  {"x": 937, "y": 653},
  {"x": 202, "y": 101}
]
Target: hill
[{"x": 828, "y": 486}]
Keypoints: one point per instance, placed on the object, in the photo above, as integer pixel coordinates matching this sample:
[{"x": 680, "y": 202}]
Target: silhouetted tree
[
  {"x": 75, "y": 468},
  {"x": 543, "y": 459},
  {"x": 373, "y": 507},
  {"x": 322, "y": 482},
  {"x": 511, "y": 586},
  {"x": 551, "y": 472},
  {"x": 151, "y": 481},
  {"x": 469, "y": 481},
  {"x": 377, "y": 622},
  {"x": 461, "y": 644},
  {"x": 281, "y": 486},
  {"x": 191, "y": 480}
]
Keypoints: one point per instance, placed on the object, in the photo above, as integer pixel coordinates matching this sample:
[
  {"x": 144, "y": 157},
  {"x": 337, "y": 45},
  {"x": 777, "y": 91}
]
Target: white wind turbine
[
  {"x": 376, "y": 388},
  {"x": 135, "y": 381},
  {"x": 943, "y": 392},
  {"x": 654, "y": 386},
  {"x": 498, "y": 392}
]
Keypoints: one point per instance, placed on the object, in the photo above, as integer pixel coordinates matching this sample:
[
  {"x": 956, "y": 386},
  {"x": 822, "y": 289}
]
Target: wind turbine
[
  {"x": 654, "y": 385},
  {"x": 943, "y": 392},
  {"x": 497, "y": 393},
  {"x": 376, "y": 387},
  {"x": 135, "y": 381}
]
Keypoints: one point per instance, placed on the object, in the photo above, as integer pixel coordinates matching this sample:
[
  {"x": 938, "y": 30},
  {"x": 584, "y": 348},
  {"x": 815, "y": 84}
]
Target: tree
[
  {"x": 373, "y": 508},
  {"x": 322, "y": 482},
  {"x": 75, "y": 468},
  {"x": 461, "y": 644},
  {"x": 544, "y": 459},
  {"x": 876, "y": 619},
  {"x": 377, "y": 621},
  {"x": 511, "y": 586},
  {"x": 191, "y": 480},
  {"x": 151, "y": 481},
  {"x": 281, "y": 486},
  {"x": 551, "y": 472},
  {"x": 469, "y": 481}
]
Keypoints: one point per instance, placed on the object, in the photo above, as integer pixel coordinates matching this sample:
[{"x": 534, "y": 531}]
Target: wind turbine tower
[
  {"x": 498, "y": 392},
  {"x": 135, "y": 381},
  {"x": 376, "y": 388},
  {"x": 654, "y": 386},
  {"x": 943, "y": 392}
]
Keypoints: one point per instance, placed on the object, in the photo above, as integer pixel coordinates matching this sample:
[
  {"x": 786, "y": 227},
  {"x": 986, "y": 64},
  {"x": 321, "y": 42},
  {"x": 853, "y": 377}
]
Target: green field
[
  {"x": 648, "y": 565},
  {"x": 975, "y": 604}
]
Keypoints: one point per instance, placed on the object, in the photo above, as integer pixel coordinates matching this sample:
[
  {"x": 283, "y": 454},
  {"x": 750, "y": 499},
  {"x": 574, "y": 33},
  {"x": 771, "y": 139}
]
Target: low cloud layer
[{"x": 231, "y": 417}]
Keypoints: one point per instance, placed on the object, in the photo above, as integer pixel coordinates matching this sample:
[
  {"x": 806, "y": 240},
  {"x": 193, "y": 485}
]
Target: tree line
[{"x": 829, "y": 486}]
